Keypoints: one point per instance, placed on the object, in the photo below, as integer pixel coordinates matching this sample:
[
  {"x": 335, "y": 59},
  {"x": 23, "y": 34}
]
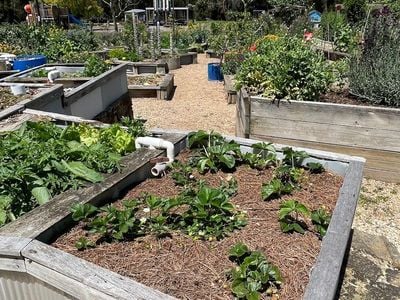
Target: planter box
[
  {"x": 229, "y": 87},
  {"x": 46, "y": 94},
  {"x": 161, "y": 92},
  {"x": 173, "y": 62},
  {"x": 188, "y": 58},
  {"x": 370, "y": 132},
  {"x": 69, "y": 275},
  {"x": 144, "y": 67},
  {"x": 84, "y": 97}
]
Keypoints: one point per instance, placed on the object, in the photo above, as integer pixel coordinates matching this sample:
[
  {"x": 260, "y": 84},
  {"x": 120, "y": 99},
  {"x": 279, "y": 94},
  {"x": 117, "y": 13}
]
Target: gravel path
[
  {"x": 197, "y": 103},
  {"x": 378, "y": 210}
]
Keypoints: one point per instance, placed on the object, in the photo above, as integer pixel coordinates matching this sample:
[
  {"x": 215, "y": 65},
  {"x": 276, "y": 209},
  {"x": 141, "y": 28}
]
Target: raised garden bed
[
  {"x": 34, "y": 95},
  {"x": 230, "y": 90},
  {"x": 367, "y": 131},
  {"x": 151, "y": 86},
  {"x": 147, "y": 67},
  {"x": 188, "y": 275},
  {"x": 173, "y": 62},
  {"x": 188, "y": 58},
  {"x": 104, "y": 97}
]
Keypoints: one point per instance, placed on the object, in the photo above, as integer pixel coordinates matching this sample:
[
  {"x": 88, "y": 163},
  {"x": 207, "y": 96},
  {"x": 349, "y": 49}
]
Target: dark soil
[
  {"x": 7, "y": 98},
  {"x": 150, "y": 79},
  {"x": 345, "y": 97},
  {"x": 195, "y": 269}
]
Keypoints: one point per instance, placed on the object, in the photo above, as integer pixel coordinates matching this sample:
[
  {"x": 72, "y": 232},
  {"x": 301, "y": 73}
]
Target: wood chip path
[{"x": 197, "y": 103}]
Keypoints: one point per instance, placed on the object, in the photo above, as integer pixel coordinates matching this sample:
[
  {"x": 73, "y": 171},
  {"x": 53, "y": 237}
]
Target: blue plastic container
[
  {"x": 214, "y": 72},
  {"x": 25, "y": 62}
]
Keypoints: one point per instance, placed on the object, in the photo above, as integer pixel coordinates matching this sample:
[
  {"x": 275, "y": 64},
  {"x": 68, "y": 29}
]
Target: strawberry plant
[
  {"x": 264, "y": 155},
  {"x": 83, "y": 243},
  {"x": 320, "y": 218},
  {"x": 289, "y": 212},
  {"x": 315, "y": 167},
  {"x": 253, "y": 275},
  {"x": 293, "y": 158},
  {"x": 275, "y": 188},
  {"x": 82, "y": 211}
]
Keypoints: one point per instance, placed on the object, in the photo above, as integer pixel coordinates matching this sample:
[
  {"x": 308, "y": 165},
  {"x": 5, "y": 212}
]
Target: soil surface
[
  {"x": 7, "y": 98},
  {"x": 149, "y": 79},
  {"x": 195, "y": 269},
  {"x": 196, "y": 104},
  {"x": 344, "y": 97}
]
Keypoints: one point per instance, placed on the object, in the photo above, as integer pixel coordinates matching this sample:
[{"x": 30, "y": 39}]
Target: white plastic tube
[{"x": 156, "y": 143}]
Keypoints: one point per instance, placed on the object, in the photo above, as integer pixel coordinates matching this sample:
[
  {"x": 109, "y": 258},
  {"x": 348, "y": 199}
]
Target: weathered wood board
[{"x": 370, "y": 132}]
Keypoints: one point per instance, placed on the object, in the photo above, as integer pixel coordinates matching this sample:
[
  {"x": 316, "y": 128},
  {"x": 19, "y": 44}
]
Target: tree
[
  {"x": 80, "y": 8},
  {"x": 118, "y": 7}
]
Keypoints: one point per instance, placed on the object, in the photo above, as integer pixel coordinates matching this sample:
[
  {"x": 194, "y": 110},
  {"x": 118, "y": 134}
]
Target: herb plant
[
  {"x": 94, "y": 66},
  {"x": 253, "y": 275}
]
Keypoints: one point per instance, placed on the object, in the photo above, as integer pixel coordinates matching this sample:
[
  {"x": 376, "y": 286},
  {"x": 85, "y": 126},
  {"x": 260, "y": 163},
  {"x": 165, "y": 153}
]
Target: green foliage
[
  {"x": 356, "y": 10},
  {"x": 293, "y": 158},
  {"x": 121, "y": 54},
  {"x": 135, "y": 127},
  {"x": 40, "y": 160},
  {"x": 253, "y": 275},
  {"x": 182, "y": 174},
  {"x": 276, "y": 188},
  {"x": 83, "y": 244},
  {"x": 217, "y": 157},
  {"x": 285, "y": 68},
  {"x": 320, "y": 218},
  {"x": 315, "y": 167},
  {"x": 264, "y": 155},
  {"x": 373, "y": 75},
  {"x": 205, "y": 213},
  {"x": 95, "y": 66},
  {"x": 82, "y": 211},
  {"x": 232, "y": 62},
  {"x": 200, "y": 139},
  {"x": 289, "y": 216}
]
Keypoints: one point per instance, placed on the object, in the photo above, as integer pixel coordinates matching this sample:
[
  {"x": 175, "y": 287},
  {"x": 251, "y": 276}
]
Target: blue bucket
[
  {"x": 214, "y": 72},
  {"x": 25, "y": 62}
]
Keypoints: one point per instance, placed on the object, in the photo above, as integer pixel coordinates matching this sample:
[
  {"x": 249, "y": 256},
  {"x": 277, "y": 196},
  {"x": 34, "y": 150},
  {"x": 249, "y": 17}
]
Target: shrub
[
  {"x": 374, "y": 75},
  {"x": 356, "y": 10},
  {"x": 95, "y": 66},
  {"x": 121, "y": 54},
  {"x": 285, "y": 68},
  {"x": 232, "y": 62}
]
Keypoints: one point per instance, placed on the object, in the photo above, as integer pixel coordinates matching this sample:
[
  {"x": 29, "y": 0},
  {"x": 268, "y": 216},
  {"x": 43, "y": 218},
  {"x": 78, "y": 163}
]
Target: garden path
[{"x": 197, "y": 103}]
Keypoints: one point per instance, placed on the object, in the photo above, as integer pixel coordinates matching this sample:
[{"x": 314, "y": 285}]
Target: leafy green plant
[
  {"x": 321, "y": 219},
  {"x": 264, "y": 155},
  {"x": 315, "y": 167},
  {"x": 218, "y": 157},
  {"x": 289, "y": 212},
  {"x": 40, "y": 160},
  {"x": 40, "y": 73},
  {"x": 121, "y": 54},
  {"x": 182, "y": 174},
  {"x": 200, "y": 139},
  {"x": 253, "y": 275},
  {"x": 82, "y": 211},
  {"x": 284, "y": 68},
  {"x": 83, "y": 244},
  {"x": 95, "y": 66},
  {"x": 293, "y": 158},
  {"x": 211, "y": 215},
  {"x": 275, "y": 188}
]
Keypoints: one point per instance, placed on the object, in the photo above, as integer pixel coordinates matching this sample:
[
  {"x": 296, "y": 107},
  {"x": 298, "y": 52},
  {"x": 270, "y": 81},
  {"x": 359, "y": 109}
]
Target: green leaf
[
  {"x": 297, "y": 228},
  {"x": 253, "y": 296},
  {"x": 81, "y": 171},
  {"x": 240, "y": 290},
  {"x": 239, "y": 250},
  {"x": 228, "y": 160},
  {"x": 41, "y": 194}
]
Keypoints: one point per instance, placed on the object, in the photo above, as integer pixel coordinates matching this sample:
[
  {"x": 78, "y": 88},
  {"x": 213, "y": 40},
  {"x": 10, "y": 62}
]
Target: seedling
[{"x": 275, "y": 188}]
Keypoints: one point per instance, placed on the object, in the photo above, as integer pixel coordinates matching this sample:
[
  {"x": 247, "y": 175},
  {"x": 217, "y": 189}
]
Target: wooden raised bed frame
[
  {"x": 76, "y": 277},
  {"x": 161, "y": 92},
  {"x": 367, "y": 131}
]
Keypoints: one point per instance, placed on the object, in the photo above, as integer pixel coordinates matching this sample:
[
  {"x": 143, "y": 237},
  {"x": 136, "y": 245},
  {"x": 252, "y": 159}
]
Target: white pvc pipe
[{"x": 157, "y": 143}]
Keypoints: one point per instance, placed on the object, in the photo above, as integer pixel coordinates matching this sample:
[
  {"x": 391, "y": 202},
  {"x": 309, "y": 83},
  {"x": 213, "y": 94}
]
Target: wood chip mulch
[{"x": 194, "y": 269}]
